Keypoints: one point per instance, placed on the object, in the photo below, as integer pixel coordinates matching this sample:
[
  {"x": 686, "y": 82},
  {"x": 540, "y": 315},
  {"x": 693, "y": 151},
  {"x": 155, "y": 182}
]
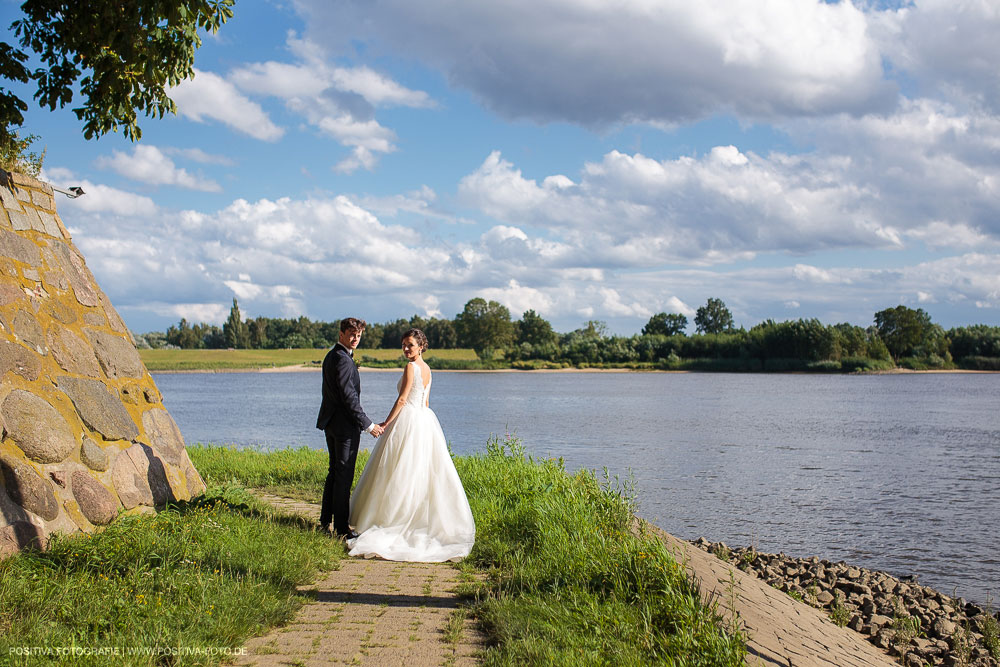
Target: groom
[{"x": 342, "y": 420}]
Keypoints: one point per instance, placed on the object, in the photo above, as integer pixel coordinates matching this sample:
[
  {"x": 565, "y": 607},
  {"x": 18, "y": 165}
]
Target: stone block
[
  {"x": 72, "y": 353},
  {"x": 19, "y": 248},
  {"x": 28, "y": 489},
  {"x": 114, "y": 319},
  {"x": 96, "y": 502},
  {"x": 19, "y": 220},
  {"x": 37, "y": 428},
  {"x": 93, "y": 455},
  {"x": 20, "y": 360},
  {"x": 164, "y": 435},
  {"x": 117, "y": 356},
  {"x": 42, "y": 200},
  {"x": 10, "y": 202},
  {"x": 59, "y": 310},
  {"x": 49, "y": 225},
  {"x": 99, "y": 409}
]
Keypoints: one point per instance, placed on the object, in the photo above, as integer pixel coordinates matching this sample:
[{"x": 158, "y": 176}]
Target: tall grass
[
  {"x": 198, "y": 577},
  {"x": 566, "y": 580}
]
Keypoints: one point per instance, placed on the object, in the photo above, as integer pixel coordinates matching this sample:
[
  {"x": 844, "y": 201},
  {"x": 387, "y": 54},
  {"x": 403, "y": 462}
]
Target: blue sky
[{"x": 586, "y": 160}]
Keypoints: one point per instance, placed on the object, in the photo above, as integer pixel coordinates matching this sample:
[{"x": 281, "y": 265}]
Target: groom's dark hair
[{"x": 352, "y": 323}]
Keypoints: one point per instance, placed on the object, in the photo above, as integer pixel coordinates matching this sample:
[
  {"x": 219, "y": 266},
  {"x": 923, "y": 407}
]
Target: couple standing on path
[{"x": 409, "y": 504}]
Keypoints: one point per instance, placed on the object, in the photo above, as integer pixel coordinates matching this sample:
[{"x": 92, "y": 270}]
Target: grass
[
  {"x": 561, "y": 576},
  {"x": 187, "y": 360},
  {"x": 184, "y": 586},
  {"x": 565, "y": 579}
]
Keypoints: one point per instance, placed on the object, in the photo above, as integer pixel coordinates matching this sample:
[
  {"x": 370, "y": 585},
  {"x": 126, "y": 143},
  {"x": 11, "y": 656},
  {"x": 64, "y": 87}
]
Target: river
[{"x": 891, "y": 472}]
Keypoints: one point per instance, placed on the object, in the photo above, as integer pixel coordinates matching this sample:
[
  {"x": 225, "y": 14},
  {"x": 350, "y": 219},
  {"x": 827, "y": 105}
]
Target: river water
[{"x": 892, "y": 472}]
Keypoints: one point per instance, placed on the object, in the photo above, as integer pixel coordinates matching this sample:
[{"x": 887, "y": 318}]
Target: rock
[
  {"x": 117, "y": 356},
  {"x": 913, "y": 659},
  {"x": 20, "y": 535},
  {"x": 72, "y": 353},
  {"x": 824, "y": 598},
  {"x": 26, "y": 328},
  {"x": 195, "y": 484},
  {"x": 28, "y": 489},
  {"x": 19, "y": 360},
  {"x": 131, "y": 392},
  {"x": 877, "y": 620},
  {"x": 96, "y": 502},
  {"x": 19, "y": 248},
  {"x": 99, "y": 409},
  {"x": 37, "y": 428},
  {"x": 164, "y": 435},
  {"x": 60, "y": 477},
  {"x": 76, "y": 271},
  {"x": 93, "y": 456},
  {"x": 139, "y": 477},
  {"x": 152, "y": 395}
]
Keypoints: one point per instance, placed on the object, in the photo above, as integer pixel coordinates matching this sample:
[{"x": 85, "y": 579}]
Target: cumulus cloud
[
  {"x": 601, "y": 64},
  {"x": 339, "y": 101},
  {"x": 208, "y": 96},
  {"x": 148, "y": 164}
]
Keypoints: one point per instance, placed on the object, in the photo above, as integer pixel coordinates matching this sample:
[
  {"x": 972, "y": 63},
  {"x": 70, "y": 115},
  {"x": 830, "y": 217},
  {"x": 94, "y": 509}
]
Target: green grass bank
[{"x": 565, "y": 580}]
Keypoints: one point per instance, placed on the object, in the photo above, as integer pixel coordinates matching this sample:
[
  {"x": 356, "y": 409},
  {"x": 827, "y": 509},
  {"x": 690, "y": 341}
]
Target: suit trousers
[{"x": 337, "y": 490}]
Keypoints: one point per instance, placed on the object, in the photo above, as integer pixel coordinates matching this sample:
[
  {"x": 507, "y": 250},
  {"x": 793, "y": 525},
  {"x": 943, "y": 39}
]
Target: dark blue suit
[{"x": 342, "y": 420}]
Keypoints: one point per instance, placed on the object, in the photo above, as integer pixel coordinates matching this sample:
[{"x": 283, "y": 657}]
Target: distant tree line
[{"x": 898, "y": 336}]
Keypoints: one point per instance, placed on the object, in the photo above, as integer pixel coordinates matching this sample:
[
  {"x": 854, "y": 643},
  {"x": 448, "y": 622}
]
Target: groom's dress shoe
[{"x": 349, "y": 535}]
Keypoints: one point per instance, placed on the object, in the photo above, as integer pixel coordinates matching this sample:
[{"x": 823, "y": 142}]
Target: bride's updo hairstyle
[{"x": 417, "y": 335}]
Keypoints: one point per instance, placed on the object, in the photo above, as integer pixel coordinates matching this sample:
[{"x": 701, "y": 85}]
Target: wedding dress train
[{"x": 409, "y": 504}]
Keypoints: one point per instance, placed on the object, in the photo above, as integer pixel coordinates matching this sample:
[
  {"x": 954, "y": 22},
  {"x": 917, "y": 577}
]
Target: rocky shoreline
[{"x": 914, "y": 623}]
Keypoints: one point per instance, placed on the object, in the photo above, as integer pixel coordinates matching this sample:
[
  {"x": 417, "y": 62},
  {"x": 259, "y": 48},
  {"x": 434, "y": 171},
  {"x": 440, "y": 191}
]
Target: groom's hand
[{"x": 376, "y": 430}]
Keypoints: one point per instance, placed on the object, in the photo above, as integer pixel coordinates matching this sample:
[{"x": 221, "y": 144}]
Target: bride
[{"x": 409, "y": 504}]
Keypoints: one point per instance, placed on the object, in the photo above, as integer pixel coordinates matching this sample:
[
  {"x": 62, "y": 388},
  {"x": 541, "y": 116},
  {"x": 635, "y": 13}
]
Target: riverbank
[{"x": 916, "y": 624}]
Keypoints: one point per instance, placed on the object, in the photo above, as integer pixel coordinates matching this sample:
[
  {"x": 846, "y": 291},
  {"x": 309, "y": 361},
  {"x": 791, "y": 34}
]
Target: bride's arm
[{"x": 403, "y": 393}]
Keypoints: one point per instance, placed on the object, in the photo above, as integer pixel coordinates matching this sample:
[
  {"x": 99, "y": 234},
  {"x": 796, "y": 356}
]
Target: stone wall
[{"x": 85, "y": 435}]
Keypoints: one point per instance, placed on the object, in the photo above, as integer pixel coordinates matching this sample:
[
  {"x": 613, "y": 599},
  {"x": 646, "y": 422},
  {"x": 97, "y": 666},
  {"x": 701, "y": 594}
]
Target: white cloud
[
  {"x": 198, "y": 155},
  {"x": 600, "y": 64},
  {"x": 101, "y": 198},
  {"x": 209, "y": 96},
  {"x": 148, "y": 164}
]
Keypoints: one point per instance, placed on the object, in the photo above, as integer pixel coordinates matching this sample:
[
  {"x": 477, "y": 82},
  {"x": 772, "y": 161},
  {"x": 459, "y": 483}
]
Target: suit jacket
[{"x": 341, "y": 410}]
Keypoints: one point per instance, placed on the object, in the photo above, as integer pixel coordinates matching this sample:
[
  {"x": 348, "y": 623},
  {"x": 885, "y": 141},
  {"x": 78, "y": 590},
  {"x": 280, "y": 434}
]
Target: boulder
[
  {"x": 164, "y": 435},
  {"x": 93, "y": 456},
  {"x": 96, "y": 502},
  {"x": 28, "y": 489},
  {"x": 37, "y": 428},
  {"x": 72, "y": 353},
  {"x": 117, "y": 355},
  {"x": 140, "y": 478},
  {"x": 20, "y": 535},
  {"x": 98, "y": 408},
  {"x": 19, "y": 360}
]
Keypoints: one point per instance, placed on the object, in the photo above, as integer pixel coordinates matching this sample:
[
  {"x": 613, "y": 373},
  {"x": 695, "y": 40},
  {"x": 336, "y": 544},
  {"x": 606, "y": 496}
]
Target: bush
[
  {"x": 977, "y": 363},
  {"x": 864, "y": 365}
]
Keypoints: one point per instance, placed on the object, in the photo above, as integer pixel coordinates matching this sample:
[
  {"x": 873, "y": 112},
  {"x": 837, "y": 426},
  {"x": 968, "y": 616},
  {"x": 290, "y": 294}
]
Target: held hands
[{"x": 377, "y": 430}]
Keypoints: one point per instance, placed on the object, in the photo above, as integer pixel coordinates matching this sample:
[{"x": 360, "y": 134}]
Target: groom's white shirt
[{"x": 350, "y": 353}]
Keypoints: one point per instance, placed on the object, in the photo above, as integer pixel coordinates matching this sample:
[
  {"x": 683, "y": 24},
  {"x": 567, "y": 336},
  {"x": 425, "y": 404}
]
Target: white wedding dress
[{"x": 409, "y": 504}]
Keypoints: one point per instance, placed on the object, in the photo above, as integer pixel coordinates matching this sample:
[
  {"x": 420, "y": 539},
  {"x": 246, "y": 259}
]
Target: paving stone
[
  {"x": 37, "y": 428},
  {"x": 98, "y": 408}
]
